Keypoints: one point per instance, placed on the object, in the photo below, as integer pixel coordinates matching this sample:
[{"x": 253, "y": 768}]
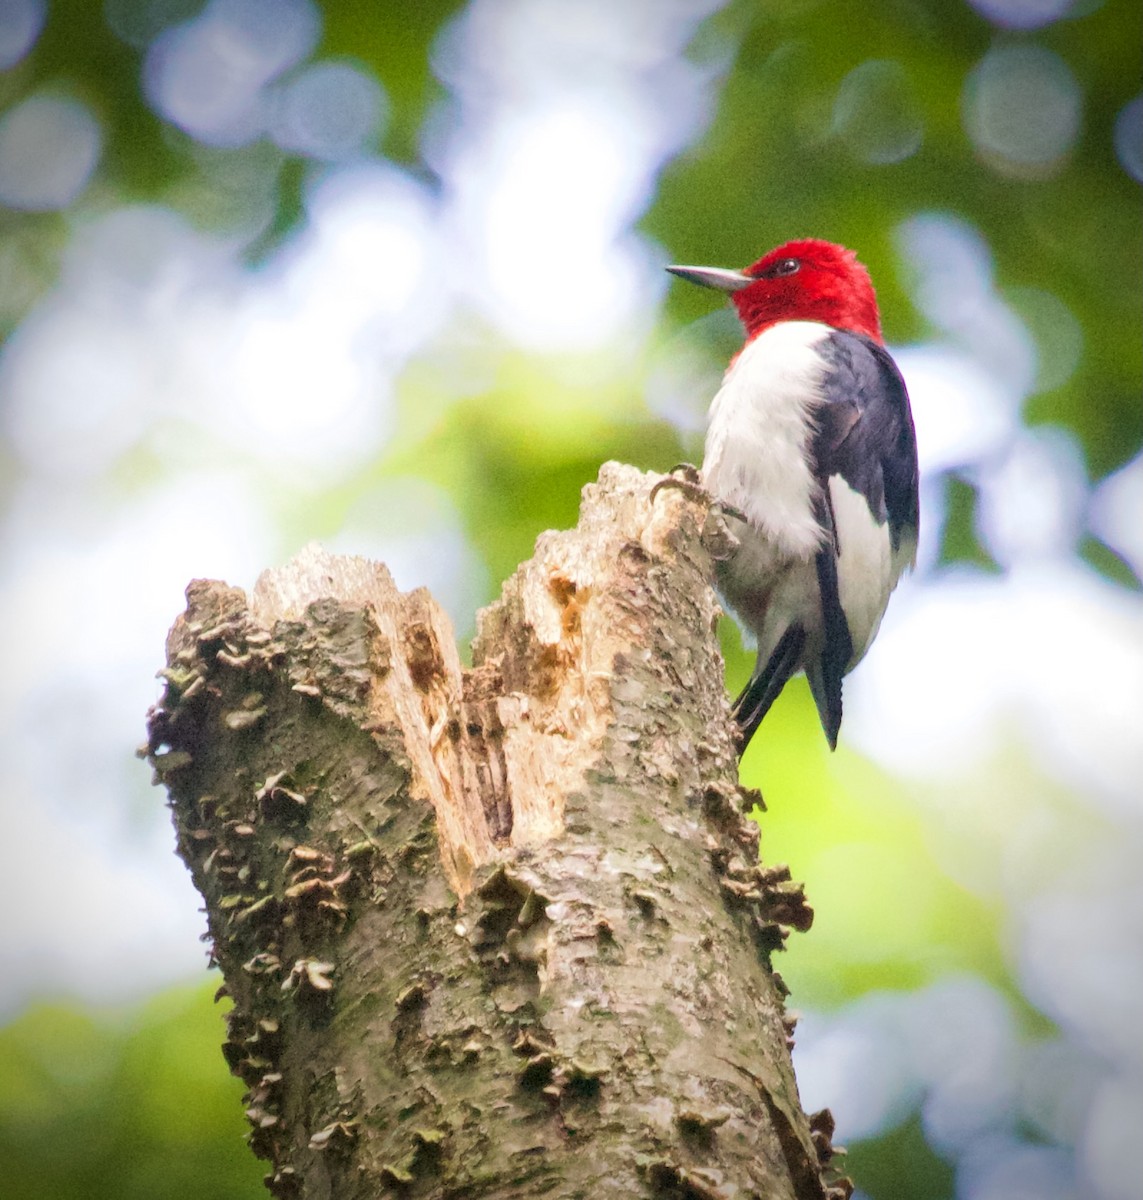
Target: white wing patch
[{"x": 865, "y": 568}]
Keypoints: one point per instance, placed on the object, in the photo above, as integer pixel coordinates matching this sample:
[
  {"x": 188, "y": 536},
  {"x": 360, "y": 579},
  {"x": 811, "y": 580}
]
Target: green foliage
[
  {"x": 901, "y": 1166},
  {"x": 131, "y": 1104},
  {"x": 960, "y": 543},
  {"x": 77, "y": 52},
  {"x": 515, "y": 457}
]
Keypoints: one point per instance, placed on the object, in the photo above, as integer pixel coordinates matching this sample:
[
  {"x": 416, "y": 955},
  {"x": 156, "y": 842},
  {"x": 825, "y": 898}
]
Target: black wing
[
  {"x": 865, "y": 432},
  {"x": 864, "y": 435}
]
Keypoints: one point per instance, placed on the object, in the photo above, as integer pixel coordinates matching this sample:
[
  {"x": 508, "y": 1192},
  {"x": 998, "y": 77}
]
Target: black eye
[{"x": 784, "y": 266}]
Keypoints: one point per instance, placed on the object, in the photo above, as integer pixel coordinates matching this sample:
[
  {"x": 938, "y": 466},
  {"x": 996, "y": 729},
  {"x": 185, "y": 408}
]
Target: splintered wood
[{"x": 497, "y": 749}]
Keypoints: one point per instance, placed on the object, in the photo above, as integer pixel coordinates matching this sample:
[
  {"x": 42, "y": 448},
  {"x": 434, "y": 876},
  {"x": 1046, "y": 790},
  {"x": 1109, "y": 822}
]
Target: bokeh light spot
[
  {"x": 330, "y": 110},
  {"x": 876, "y": 113},
  {"x": 1022, "y": 14},
  {"x": 1129, "y": 138},
  {"x": 854, "y": 1064},
  {"x": 20, "y": 25},
  {"x": 1032, "y": 499},
  {"x": 557, "y": 187},
  {"x": 1114, "y": 1123},
  {"x": 547, "y": 160},
  {"x": 1115, "y": 509},
  {"x": 949, "y": 273},
  {"x": 965, "y": 1049},
  {"x": 1022, "y": 109},
  {"x": 961, "y": 412},
  {"x": 208, "y": 75},
  {"x": 1003, "y": 1168},
  {"x": 49, "y": 147}
]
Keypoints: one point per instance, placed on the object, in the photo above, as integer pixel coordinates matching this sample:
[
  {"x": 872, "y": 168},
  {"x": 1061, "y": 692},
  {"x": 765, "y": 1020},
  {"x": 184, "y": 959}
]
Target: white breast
[{"x": 757, "y": 434}]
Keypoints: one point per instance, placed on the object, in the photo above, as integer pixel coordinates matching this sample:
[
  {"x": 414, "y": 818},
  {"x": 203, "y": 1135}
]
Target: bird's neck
[{"x": 836, "y": 307}]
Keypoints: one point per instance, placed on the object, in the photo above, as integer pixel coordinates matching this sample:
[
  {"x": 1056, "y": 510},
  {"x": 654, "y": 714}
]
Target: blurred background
[{"x": 389, "y": 275}]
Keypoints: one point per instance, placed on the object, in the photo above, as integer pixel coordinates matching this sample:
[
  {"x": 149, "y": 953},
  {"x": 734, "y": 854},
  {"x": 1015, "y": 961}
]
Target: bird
[{"x": 811, "y": 453}]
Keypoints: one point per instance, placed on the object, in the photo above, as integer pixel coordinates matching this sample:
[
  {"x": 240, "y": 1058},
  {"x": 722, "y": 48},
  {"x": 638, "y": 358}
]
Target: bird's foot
[
  {"x": 685, "y": 477},
  {"x": 717, "y": 536},
  {"x": 728, "y": 510}
]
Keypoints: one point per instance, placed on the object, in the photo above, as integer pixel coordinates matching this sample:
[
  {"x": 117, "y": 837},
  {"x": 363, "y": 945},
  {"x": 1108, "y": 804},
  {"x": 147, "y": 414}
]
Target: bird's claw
[
  {"x": 688, "y": 471},
  {"x": 717, "y": 537},
  {"x": 685, "y": 477},
  {"x": 728, "y": 510}
]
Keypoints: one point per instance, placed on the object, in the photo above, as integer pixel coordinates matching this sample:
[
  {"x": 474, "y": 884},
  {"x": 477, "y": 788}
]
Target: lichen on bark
[{"x": 499, "y": 931}]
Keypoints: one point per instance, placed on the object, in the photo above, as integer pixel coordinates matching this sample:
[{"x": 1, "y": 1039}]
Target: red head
[{"x": 806, "y": 280}]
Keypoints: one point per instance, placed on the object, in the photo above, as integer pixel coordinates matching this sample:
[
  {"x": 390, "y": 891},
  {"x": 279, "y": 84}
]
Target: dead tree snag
[{"x": 500, "y": 931}]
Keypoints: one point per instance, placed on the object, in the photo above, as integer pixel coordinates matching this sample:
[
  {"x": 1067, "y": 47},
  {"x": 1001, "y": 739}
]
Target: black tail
[
  {"x": 837, "y": 649},
  {"x": 762, "y": 690}
]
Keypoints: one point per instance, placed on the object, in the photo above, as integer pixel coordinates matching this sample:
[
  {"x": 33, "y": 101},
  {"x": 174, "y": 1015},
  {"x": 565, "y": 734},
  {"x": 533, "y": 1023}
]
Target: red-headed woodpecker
[{"x": 810, "y": 449}]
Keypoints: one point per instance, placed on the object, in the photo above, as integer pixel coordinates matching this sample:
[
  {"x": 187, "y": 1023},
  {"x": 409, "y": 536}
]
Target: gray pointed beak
[{"x": 713, "y": 277}]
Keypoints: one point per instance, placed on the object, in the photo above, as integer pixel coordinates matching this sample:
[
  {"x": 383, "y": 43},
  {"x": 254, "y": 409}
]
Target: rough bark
[{"x": 499, "y": 931}]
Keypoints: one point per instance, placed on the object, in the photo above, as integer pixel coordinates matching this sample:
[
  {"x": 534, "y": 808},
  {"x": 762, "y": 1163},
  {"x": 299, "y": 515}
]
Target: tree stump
[{"x": 499, "y": 931}]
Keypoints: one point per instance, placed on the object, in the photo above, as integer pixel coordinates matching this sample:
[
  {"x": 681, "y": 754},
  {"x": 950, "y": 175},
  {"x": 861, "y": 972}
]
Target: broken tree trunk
[{"x": 497, "y": 932}]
